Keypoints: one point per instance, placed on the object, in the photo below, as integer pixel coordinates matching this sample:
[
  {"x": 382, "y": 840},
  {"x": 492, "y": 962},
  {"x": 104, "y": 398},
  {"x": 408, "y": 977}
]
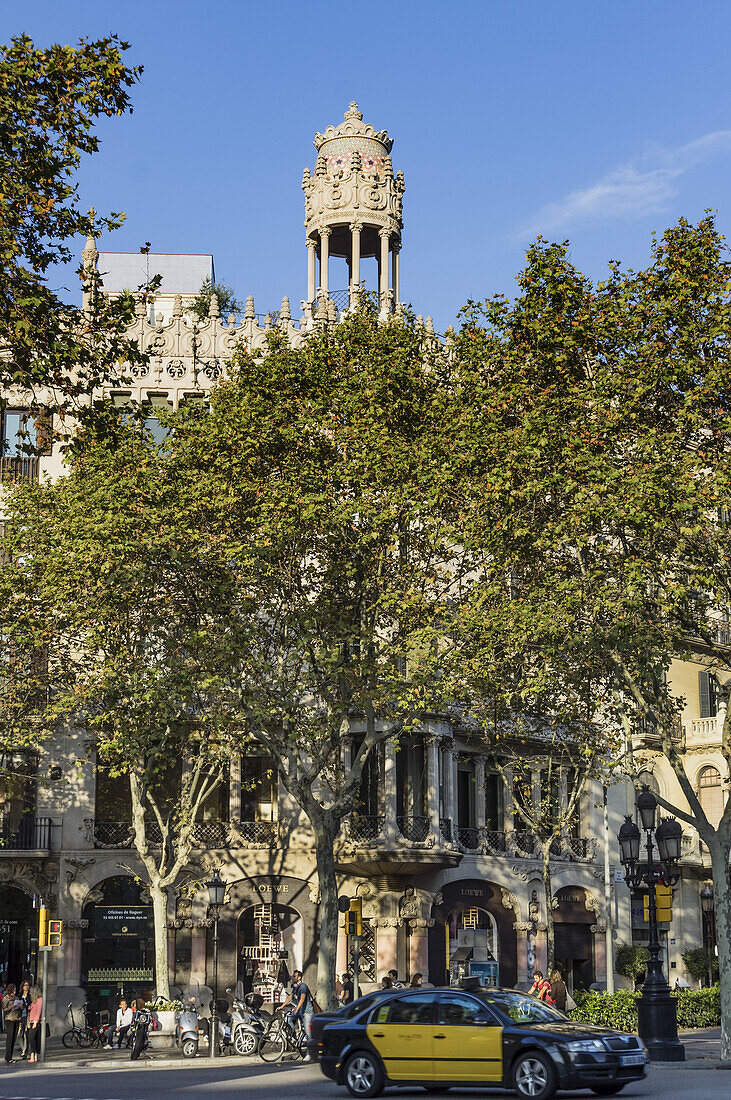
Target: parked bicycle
[
  {"x": 280, "y": 1038},
  {"x": 82, "y": 1036}
]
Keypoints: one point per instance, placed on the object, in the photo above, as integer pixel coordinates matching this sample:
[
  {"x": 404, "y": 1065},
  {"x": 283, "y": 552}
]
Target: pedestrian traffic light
[
  {"x": 664, "y": 901},
  {"x": 42, "y": 927},
  {"x": 354, "y": 918},
  {"x": 55, "y": 933}
]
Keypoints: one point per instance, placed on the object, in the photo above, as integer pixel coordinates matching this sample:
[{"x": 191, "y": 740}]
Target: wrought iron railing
[
  {"x": 525, "y": 843},
  {"x": 579, "y": 847},
  {"x": 206, "y": 834},
  {"x": 113, "y": 834},
  {"x": 415, "y": 829},
  {"x": 468, "y": 838},
  {"x": 366, "y": 826},
  {"x": 18, "y": 468},
  {"x": 239, "y": 834},
  {"x": 29, "y": 834},
  {"x": 495, "y": 842},
  {"x": 445, "y": 828}
]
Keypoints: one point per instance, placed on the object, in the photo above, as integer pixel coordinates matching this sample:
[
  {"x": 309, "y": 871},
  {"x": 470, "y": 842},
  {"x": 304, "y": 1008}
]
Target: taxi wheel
[
  {"x": 534, "y": 1076},
  {"x": 363, "y": 1075}
]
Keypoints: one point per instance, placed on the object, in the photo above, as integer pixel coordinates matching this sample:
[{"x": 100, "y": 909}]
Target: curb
[{"x": 151, "y": 1063}]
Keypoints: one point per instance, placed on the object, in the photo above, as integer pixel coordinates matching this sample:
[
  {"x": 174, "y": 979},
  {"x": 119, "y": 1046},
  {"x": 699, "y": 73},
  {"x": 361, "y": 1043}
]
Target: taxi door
[
  {"x": 401, "y": 1031},
  {"x": 468, "y": 1041}
]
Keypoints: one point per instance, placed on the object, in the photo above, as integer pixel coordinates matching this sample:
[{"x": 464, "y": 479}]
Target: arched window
[{"x": 710, "y": 793}]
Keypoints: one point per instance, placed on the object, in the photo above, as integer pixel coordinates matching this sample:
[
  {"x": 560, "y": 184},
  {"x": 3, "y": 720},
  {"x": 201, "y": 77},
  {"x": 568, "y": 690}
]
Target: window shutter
[{"x": 704, "y": 694}]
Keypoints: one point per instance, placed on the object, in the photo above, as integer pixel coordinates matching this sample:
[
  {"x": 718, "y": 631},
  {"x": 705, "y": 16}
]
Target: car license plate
[{"x": 632, "y": 1060}]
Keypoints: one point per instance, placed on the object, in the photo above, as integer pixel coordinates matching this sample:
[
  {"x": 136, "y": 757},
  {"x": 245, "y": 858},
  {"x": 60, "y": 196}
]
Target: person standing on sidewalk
[
  {"x": 33, "y": 1024},
  {"x": 558, "y": 991},
  {"x": 22, "y": 1037},
  {"x": 12, "y": 1006}
]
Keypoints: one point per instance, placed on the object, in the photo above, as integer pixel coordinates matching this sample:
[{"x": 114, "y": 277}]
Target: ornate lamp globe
[
  {"x": 629, "y": 842},
  {"x": 647, "y": 805},
  {"x": 216, "y": 889},
  {"x": 707, "y": 898},
  {"x": 669, "y": 835}
]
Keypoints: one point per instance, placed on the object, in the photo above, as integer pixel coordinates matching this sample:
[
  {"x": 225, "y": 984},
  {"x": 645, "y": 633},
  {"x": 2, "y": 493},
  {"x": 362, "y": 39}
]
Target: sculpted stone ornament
[{"x": 76, "y": 864}]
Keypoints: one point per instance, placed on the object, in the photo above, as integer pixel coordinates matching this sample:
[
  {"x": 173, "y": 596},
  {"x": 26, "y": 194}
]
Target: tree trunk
[
  {"x": 160, "y": 912},
  {"x": 550, "y": 940},
  {"x": 722, "y": 909},
  {"x": 325, "y": 835}
]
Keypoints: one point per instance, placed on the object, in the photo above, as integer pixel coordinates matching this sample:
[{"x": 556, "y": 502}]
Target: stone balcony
[
  {"x": 706, "y": 730},
  {"x": 368, "y": 843}
]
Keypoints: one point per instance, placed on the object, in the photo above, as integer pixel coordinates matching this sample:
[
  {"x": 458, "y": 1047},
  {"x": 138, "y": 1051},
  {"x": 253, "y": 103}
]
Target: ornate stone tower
[{"x": 353, "y": 207}]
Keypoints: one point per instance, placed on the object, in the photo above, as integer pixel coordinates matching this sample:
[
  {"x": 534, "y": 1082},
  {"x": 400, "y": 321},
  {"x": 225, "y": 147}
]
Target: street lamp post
[
  {"x": 657, "y": 1009},
  {"x": 708, "y": 907},
  {"x": 216, "y": 897}
]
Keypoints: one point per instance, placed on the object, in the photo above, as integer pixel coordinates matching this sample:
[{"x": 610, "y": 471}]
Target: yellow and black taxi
[{"x": 442, "y": 1038}]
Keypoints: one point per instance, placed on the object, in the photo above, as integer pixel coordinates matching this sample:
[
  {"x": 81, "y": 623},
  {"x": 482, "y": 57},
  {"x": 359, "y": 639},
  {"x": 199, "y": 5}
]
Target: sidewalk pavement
[{"x": 702, "y": 1051}]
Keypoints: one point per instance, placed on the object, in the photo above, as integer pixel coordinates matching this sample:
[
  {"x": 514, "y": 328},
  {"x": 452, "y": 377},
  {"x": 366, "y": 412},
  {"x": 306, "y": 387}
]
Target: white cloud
[{"x": 644, "y": 186}]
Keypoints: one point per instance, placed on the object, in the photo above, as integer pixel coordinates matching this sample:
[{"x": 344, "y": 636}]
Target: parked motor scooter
[
  {"x": 247, "y": 1025},
  {"x": 191, "y": 1031}
]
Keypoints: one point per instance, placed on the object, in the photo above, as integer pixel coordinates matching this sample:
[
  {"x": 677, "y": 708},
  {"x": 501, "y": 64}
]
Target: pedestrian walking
[
  {"x": 33, "y": 1024},
  {"x": 558, "y": 991},
  {"x": 347, "y": 990},
  {"x": 12, "y": 1006}
]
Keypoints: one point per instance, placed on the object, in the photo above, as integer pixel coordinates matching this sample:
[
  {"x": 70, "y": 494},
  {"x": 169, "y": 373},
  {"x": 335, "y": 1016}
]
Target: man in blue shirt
[{"x": 301, "y": 999}]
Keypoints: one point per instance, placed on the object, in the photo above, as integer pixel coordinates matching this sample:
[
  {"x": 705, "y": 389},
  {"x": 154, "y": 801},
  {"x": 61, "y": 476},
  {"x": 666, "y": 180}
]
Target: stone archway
[
  {"x": 291, "y": 893},
  {"x": 574, "y": 918},
  {"x": 473, "y": 894}
]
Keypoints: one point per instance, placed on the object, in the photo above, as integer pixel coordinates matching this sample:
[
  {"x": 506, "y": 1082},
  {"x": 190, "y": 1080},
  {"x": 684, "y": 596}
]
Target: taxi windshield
[{"x": 523, "y": 1009}]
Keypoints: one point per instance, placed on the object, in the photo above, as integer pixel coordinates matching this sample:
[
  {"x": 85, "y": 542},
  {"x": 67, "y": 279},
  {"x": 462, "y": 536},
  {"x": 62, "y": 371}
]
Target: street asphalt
[
  {"x": 110, "y": 1075},
  {"x": 256, "y": 1081}
]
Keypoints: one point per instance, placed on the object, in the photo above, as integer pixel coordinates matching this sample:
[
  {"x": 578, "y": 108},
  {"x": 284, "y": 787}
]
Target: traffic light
[
  {"x": 55, "y": 933},
  {"x": 664, "y": 901},
  {"x": 354, "y": 918},
  {"x": 663, "y": 904},
  {"x": 42, "y": 927}
]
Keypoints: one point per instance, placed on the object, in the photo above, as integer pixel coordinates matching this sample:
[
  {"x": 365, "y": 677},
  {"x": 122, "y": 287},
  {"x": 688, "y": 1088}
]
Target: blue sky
[{"x": 596, "y": 121}]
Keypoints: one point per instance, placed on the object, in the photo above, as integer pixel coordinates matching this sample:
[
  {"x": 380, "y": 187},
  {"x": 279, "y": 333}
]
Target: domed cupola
[{"x": 353, "y": 205}]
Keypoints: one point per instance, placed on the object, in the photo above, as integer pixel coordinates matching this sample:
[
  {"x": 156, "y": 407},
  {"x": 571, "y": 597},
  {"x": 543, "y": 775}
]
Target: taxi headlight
[{"x": 579, "y": 1045}]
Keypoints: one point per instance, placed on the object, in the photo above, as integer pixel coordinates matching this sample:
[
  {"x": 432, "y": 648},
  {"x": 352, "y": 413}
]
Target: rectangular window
[
  {"x": 19, "y": 433},
  {"x": 493, "y": 802},
  {"x": 258, "y": 788},
  {"x": 707, "y": 703}
]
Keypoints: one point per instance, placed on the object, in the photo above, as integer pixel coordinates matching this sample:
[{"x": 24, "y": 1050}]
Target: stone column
[
  {"x": 325, "y": 259},
  {"x": 395, "y": 278},
  {"x": 311, "y": 269},
  {"x": 418, "y": 952},
  {"x": 480, "y": 792},
  {"x": 354, "y": 260},
  {"x": 198, "y": 953},
  {"x": 450, "y": 760},
  {"x": 385, "y": 235},
  {"x": 386, "y": 945},
  {"x": 432, "y": 785},
  {"x": 390, "y": 802},
  {"x": 341, "y": 954},
  {"x": 234, "y": 793}
]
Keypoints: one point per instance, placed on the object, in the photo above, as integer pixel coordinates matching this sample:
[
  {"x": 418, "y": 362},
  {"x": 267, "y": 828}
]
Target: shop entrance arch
[
  {"x": 18, "y": 936},
  {"x": 117, "y": 957},
  {"x": 472, "y": 926},
  {"x": 573, "y": 938},
  {"x": 270, "y": 946}
]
